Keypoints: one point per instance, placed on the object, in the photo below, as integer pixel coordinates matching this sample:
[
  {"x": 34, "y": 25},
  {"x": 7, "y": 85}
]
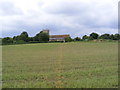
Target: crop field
[{"x": 60, "y": 65}]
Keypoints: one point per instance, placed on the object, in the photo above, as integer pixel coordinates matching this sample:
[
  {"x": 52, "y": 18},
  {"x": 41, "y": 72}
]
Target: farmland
[{"x": 61, "y": 65}]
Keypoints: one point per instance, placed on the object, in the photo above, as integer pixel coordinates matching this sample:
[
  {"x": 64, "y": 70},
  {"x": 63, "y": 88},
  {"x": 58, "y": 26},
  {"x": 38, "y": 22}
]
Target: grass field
[{"x": 61, "y": 65}]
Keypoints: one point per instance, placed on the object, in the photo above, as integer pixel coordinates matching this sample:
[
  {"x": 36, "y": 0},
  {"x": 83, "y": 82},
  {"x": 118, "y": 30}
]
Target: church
[{"x": 56, "y": 38}]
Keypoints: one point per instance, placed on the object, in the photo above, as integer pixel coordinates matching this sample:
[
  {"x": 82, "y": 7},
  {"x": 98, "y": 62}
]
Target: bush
[
  {"x": 68, "y": 39},
  {"x": 7, "y": 40},
  {"x": 20, "y": 42},
  {"x": 77, "y": 39}
]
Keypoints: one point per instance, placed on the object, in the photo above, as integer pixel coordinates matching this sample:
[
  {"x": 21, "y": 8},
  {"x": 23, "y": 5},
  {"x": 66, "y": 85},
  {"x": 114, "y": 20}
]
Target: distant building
[{"x": 56, "y": 37}]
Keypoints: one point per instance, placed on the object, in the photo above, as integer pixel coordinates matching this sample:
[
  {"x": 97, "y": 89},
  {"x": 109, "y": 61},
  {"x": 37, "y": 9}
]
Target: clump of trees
[
  {"x": 95, "y": 36},
  {"x": 7, "y": 40},
  {"x": 41, "y": 37},
  {"x": 24, "y": 38}
]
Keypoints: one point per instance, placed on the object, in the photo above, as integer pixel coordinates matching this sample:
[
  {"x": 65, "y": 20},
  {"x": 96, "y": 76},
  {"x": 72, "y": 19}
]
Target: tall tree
[
  {"x": 24, "y": 36},
  {"x": 94, "y": 35},
  {"x": 42, "y": 37}
]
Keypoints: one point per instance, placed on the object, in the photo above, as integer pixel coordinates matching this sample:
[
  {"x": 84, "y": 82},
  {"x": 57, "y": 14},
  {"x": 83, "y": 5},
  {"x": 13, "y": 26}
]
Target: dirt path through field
[{"x": 59, "y": 68}]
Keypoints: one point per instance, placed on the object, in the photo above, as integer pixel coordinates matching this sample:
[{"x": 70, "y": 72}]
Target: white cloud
[{"x": 74, "y": 17}]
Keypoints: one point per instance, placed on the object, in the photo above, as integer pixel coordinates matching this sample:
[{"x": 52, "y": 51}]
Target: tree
[
  {"x": 94, "y": 35},
  {"x": 112, "y": 37},
  {"x": 24, "y": 36},
  {"x": 105, "y": 36},
  {"x": 7, "y": 40},
  {"x": 77, "y": 39},
  {"x": 16, "y": 38},
  {"x": 90, "y": 38},
  {"x": 30, "y": 39},
  {"x": 68, "y": 39},
  {"x": 116, "y": 36},
  {"x": 85, "y": 37},
  {"x": 36, "y": 37},
  {"x": 41, "y": 37}
]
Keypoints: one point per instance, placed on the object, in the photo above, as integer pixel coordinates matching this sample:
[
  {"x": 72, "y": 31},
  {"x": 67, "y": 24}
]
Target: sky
[{"x": 74, "y": 17}]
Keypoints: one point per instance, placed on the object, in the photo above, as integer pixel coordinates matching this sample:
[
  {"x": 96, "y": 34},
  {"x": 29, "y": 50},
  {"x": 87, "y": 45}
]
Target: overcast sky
[{"x": 74, "y": 17}]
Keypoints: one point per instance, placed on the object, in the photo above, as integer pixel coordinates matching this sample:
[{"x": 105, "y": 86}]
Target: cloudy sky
[{"x": 74, "y": 17}]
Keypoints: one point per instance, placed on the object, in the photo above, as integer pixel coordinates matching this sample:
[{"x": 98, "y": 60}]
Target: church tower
[{"x": 45, "y": 31}]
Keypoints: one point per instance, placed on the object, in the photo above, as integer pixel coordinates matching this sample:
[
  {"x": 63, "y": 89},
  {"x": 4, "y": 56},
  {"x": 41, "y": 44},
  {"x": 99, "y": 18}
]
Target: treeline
[
  {"x": 95, "y": 36},
  {"x": 23, "y": 38},
  {"x": 41, "y": 37}
]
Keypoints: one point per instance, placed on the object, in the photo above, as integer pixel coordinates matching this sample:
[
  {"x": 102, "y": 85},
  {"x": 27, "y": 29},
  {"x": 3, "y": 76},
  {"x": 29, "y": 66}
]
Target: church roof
[{"x": 59, "y": 36}]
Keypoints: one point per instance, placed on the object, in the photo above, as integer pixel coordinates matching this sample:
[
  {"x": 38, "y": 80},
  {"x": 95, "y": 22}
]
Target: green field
[{"x": 61, "y": 65}]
